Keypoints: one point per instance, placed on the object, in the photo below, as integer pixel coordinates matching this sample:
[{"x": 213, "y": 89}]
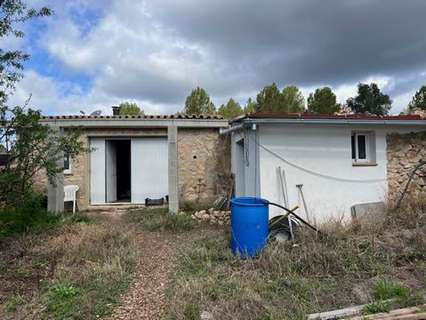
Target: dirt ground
[{"x": 145, "y": 298}]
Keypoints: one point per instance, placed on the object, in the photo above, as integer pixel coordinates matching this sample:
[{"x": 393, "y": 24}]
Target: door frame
[{"x": 117, "y": 136}]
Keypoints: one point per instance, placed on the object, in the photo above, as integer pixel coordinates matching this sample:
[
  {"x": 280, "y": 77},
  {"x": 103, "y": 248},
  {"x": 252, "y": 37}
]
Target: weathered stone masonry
[
  {"x": 404, "y": 153},
  {"x": 203, "y": 160}
]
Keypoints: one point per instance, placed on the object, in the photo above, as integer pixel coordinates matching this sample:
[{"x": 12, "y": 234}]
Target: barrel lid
[{"x": 250, "y": 201}]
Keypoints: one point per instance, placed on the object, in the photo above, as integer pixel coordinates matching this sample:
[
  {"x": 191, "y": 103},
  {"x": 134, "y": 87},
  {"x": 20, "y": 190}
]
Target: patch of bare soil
[{"x": 145, "y": 298}]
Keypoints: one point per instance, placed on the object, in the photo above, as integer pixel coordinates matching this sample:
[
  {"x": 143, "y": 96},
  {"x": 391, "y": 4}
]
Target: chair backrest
[{"x": 70, "y": 192}]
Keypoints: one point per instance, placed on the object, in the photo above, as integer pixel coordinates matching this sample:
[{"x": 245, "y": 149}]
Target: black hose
[{"x": 295, "y": 215}]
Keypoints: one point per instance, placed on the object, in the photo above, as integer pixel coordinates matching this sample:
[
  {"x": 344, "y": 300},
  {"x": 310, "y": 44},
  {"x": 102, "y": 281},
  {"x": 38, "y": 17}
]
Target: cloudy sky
[{"x": 96, "y": 53}]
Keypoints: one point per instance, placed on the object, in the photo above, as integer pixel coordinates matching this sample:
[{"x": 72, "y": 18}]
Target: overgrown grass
[
  {"x": 31, "y": 216},
  {"x": 159, "y": 219},
  {"x": 388, "y": 295},
  {"x": 346, "y": 265},
  {"x": 72, "y": 271}
]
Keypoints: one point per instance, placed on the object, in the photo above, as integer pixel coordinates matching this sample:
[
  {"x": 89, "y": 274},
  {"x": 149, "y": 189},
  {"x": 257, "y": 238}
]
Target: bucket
[{"x": 249, "y": 225}]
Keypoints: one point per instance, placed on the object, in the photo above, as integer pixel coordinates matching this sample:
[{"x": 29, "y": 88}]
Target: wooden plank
[
  {"x": 411, "y": 313},
  {"x": 354, "y": 312},
  {"x": 337, "y": 314}
]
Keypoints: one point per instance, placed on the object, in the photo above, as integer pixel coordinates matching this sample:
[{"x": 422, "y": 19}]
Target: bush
[
  {"x": 31, "y": 215},
  {"x": 27, "y": 215},
  {"x": 61, "y": 300}
]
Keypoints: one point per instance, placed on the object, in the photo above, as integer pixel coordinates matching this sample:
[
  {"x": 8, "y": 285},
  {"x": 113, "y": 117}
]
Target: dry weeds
[
  {"x": 75, "y": 271},
  {"x": 315, "y": 273}
]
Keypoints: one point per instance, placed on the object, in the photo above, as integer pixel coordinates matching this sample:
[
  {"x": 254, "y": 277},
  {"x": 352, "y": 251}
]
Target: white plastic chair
[{"x": 70, "y": 194}]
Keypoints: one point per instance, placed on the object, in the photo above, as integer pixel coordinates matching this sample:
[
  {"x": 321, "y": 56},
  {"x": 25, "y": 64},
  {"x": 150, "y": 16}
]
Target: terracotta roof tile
[
  {"x": 308, "y": 115},
  {"x": 146, "y": 117}
]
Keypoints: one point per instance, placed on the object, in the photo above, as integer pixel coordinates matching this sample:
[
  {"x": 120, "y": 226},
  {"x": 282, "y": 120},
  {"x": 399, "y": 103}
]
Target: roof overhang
[
  {"x": 135, "y": 123},
  {"x": 375, "y": 122}
]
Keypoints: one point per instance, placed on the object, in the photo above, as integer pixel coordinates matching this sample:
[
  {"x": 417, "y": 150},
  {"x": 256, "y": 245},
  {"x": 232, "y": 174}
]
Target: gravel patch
[{"x": 146, "y": 296}]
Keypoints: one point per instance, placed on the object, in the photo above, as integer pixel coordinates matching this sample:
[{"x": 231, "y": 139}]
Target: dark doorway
[{"x": 123, "y": 170}]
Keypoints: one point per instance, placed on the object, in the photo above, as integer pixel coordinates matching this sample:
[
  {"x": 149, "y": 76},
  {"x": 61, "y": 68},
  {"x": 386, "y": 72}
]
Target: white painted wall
[{"x": 326, "y": 150}]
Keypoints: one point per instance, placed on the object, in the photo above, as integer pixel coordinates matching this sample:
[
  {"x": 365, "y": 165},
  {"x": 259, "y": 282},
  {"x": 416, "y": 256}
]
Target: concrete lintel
[
  {"x": 173, "y": 169},
  {"x": 136, "y": 123}
]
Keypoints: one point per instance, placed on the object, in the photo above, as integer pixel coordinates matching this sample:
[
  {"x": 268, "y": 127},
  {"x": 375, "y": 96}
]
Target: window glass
[
  {"x": 66, "y": 161},
  {"x": 353, "y": 147},
  {"x": 362, "y": 154}
]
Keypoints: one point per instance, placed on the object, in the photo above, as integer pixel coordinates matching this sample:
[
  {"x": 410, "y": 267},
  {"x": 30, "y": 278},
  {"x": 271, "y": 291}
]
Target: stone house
[
  {"x": 177, "y": 158},
  {"x": 326, "y": 164}
]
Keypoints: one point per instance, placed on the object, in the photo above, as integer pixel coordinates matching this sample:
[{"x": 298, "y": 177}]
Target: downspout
[{"x": 223, "y": 131}]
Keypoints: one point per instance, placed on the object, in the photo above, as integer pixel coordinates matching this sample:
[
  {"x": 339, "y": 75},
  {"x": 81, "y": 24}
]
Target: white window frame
[
  {"x": 69, "y": 170},
  {"x": 370, "y": 158}
]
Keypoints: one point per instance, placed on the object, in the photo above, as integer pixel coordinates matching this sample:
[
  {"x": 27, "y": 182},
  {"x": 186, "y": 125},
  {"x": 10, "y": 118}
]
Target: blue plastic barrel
[{"x": 249, "y": 225}]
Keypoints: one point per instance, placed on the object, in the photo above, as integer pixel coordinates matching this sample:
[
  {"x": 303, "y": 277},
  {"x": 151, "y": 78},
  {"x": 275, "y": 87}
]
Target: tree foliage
[
  {"x": 419, "y": 100},
  {"x": 250, "y": 106},
  {"x": 292, "y": 99},
  {"x": 271, "y": 99},
  {"x": 370, "y": 99},
  {"x": 31, "y": 145},
  {"x": 323, "y": 101},
  {"x": 130, "y": 109},
  {"x": 231, "y": 110},
  {"x": 199, "y": 103},
  {"x": 12, "y": 14}
]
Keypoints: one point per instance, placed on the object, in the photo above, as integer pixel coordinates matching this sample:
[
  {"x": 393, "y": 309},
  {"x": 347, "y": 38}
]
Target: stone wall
[
  {"x": 79, "y": 176},
  {"x": 203, "y": 165},
  {"x": 404, "y": 153}
]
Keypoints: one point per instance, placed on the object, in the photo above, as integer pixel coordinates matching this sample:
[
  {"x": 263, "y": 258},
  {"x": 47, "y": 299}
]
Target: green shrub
[
  {"x": 27, "y": 215},
  {"x": 385, "y": 289},
  {"x": 61, "y": 300},
  {"x": 31, "y": 215},
  {"x": 377, "y": 307}
]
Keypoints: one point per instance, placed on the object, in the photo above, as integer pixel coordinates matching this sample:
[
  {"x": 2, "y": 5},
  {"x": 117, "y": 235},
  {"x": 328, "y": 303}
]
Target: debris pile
[{"x": 213, "y": 216}]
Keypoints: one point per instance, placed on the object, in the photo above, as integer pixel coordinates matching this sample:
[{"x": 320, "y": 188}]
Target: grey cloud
[
  {"x": 159, "y": 49},
  {"x": 304, "y": 41}
]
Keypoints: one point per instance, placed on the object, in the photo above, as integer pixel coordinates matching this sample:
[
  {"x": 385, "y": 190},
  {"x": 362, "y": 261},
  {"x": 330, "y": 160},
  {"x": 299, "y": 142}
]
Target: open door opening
[
  {"x": 123, "y": 170},
  {"x": 118, "y": 170}
]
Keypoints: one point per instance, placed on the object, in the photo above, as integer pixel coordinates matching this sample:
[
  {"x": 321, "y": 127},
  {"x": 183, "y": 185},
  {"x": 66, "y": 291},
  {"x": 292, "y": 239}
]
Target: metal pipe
[
  {"x": 295, "y": 215},
  {"x": 230, "y": 129}
]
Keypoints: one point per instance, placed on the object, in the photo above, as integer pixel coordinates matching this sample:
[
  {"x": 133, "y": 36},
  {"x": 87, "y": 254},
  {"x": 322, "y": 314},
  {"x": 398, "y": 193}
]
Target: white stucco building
[{"x": 340, "y": 160}]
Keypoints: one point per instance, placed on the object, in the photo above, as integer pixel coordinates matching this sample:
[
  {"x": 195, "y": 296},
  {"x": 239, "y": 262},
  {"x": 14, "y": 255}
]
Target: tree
[
  {"x": 198, "y": 103},
  {"x": 130, "y": 109},
  {"x": 323, "y": 101},
  {"x": 371, "y": 100},
  {"x": 250, "y": 106},
  {"x": 231, "y": 110},
  {"x": 293, "y": 100},
  {"x": 13, "y": 13},
  {"x": 32, "y": 146},
  {"x": 419, "y": 100},
  {"x": 270, "y": 99}
]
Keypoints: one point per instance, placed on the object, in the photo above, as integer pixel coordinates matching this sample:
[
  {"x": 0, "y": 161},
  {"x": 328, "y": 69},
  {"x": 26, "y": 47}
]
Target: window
[
  {"x": 363, "y": 147},
  {"x": 67, "y": 163}
]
